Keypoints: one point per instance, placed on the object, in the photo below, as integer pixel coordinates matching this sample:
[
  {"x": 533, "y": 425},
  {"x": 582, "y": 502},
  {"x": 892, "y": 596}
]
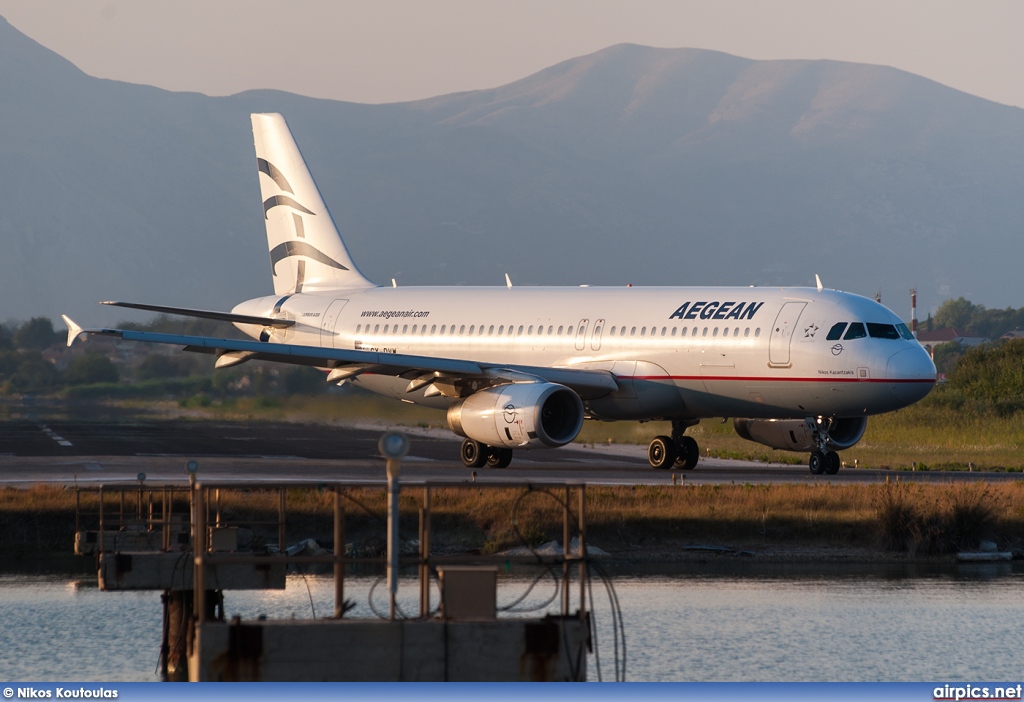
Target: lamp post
[{"x": 393, "y": 446}]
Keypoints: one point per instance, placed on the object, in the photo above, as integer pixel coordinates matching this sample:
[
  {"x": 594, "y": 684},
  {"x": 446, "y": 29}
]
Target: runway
[{"x": 76, "y": 451}]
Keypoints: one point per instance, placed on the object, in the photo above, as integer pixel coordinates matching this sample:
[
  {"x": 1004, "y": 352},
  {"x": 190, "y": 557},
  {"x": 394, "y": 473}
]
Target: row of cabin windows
[{"x": 681, "y": 332}]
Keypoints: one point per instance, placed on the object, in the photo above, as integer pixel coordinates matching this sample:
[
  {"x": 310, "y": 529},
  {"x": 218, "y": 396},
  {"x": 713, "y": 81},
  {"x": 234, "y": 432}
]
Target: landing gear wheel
[
  {"x": 473, "y": 454},
  {"x": 498, "y": 457},
  {"x": 662, "y": 452},
  {"x": 817, "y": 462},
  {"x": 689, "y": 452},
  {"x": 832, "y": 463}
]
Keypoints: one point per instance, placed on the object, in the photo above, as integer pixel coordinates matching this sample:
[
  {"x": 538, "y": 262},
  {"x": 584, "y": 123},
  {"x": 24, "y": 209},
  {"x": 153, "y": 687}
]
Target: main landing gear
[
  {"x": 676, "y": 450},
  {"x": 475, "y": 454},
  {"x": 823, "y": 460}
]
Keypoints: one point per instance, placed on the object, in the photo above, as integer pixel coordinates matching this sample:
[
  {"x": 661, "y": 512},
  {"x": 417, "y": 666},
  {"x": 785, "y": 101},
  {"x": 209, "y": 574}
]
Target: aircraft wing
[{"x": 345, "y": 363}]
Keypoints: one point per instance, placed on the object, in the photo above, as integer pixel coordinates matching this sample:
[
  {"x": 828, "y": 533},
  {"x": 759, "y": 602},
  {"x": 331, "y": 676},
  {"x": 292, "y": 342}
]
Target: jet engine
[
  {"x": 537, "y": 415},
  {"x": 795, "y": 435}
]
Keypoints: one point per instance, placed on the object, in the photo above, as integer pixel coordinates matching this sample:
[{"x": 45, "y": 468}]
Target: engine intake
[
  {"x": 538, "y": 415},
  {"x": 795, "y": 435}
]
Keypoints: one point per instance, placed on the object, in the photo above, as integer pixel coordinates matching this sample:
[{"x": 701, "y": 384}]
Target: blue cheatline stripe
[{"x": 472, "y": 692}]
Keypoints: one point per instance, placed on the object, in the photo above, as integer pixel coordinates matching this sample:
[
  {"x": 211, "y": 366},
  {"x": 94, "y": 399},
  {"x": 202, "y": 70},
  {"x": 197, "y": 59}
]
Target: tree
[
  {"x": 956, "y": 314},
  {"x": 91, "y": 368}
]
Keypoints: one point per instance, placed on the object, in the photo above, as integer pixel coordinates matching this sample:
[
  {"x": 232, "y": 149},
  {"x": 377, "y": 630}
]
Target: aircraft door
[
  {"x": 581, "y": 335},
  {"x": 329, "y": 321},
  {"x": 782, "y": 334},
  {"x": 595, "y": 340}
]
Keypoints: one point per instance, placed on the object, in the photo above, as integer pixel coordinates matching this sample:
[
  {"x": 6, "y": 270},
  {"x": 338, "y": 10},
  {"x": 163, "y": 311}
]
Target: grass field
[{"x": 896, "y": 516}]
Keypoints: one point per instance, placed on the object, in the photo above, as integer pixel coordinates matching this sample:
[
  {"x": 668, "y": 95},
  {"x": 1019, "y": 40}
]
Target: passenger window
[
  {"x": 882, "y": 331},
  {"x": 530, "y": 330},
  {"x": 405, "y": 328},
  {"x": 663, "y": 330},
  {"x": 559, "y": 329},
  {"x": 715, "y": 332},
  {"x": 569, "y": 331},
  {"x": 442, "y": 328},
  {"x": 433, "y": 328},
  {"x": 490, "y": 330},
  {"x": 705, "y": 332},
  {"x": 540, "y": 330},
  {"x": 736, "y": 331},
  {"x": 632, "y": 332},
  {"x": 674, "y": 330},
  {"x": 550, "y": 329},
  {"x": 836, "y": 332},
  {"x": 643, "y": 331},
  {"x": 856, "y": 331},
  {"x": 358, "y": 327},
  {"x": 414, "y": 327},
  {"x": 682, "y": 332},
  {"x": 612, "y": 333},
  {"x": 757, "y": 332},
  {"x": 746, "y": 332},
  {"x": 462, "y": 329},
  {"x": 520, "y": 329}
]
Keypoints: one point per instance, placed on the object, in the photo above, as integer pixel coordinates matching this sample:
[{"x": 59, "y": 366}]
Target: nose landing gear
[{"x": 823, "y": 460}]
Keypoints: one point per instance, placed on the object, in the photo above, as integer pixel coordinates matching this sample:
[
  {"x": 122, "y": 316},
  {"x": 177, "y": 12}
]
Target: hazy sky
[{"x": 378, "y": 51}]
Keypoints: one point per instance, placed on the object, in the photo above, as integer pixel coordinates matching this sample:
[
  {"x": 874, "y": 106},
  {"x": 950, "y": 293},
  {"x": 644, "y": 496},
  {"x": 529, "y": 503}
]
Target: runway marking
[{"x": 55, "y": 436}]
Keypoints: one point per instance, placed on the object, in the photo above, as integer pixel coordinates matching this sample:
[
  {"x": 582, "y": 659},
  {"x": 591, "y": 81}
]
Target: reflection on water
[{"x": 693, "y": 622}]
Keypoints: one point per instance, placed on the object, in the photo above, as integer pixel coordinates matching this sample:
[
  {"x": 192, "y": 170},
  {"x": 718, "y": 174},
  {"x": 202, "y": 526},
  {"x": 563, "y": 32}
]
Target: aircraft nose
[{"x": 911, "y": 374}]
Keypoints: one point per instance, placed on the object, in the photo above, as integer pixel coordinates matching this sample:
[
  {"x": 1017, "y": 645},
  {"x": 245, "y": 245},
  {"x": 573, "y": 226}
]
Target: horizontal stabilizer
[{"x": 208, "y": 314}]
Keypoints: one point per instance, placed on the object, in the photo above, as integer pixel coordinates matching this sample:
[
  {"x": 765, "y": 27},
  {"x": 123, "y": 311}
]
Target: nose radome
[{"x": 911, "y": 374}]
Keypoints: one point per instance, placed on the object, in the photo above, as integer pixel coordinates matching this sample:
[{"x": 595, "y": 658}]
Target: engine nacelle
[
  {"x": 795, "y": 435},
  {"x": 538, "y": 415}
]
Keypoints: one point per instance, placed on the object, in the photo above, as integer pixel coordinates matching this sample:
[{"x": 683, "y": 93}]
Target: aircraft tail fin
[{"x": 306, "y": 251}]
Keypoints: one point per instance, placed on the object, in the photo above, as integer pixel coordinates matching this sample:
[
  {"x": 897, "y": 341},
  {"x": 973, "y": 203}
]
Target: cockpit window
[
  {"x": 856, "y": 331},
  {"x": 882, "y": 331},
  {"x": 836, "y": 332},
  {"x": 904, "y": 332}
]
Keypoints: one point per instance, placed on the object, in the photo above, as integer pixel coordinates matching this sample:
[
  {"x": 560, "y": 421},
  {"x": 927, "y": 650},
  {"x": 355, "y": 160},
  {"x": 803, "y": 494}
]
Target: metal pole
[
  {"x": 583, "y": 548},
  {"x": 566, "y": 554},
  {"x": 393, "y": 468},
  {"x": 280, "y": 521},
  {"x": 425, "y": 554},
  {"x": 199, "y": 546},
  {"x": 339, "y": 555}
]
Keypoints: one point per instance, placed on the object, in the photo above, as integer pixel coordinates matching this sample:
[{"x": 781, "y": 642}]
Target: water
[{"x": 682, "y": 624}]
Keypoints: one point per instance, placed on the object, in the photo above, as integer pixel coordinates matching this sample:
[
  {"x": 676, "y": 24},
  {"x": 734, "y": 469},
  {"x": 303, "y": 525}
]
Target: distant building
[
  {"x": 931, "y": 339},
  {"x": 1015, "y": 334}
]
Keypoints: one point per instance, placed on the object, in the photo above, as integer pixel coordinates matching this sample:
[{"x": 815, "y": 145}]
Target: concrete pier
[{"x": 549, "y": 649}]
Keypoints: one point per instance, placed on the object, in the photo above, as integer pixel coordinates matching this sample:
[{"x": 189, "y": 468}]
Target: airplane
[{"x": 797, "y": 369}]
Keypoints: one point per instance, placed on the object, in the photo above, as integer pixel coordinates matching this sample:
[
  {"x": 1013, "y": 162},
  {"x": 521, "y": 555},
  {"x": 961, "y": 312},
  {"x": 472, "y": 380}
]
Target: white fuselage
[{"x": 676, "y": 352}]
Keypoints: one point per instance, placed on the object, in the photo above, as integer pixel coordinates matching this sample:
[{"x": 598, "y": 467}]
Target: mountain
[{"x": 630, "y": 165}]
